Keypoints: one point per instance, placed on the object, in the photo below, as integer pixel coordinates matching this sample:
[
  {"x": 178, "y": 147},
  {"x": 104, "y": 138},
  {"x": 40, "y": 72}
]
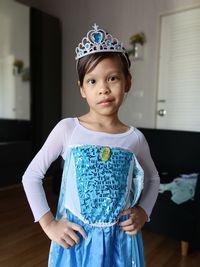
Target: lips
[{"x": 106, "y": 101}]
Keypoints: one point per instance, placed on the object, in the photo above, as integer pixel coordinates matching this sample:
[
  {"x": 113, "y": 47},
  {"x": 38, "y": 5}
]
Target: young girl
[{"x": 109, "y": 181}]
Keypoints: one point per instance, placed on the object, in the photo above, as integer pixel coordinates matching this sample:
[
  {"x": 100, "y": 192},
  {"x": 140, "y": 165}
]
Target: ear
[
  {"x": 81, "y": 90},
  {"x": 128, "y": 84}
]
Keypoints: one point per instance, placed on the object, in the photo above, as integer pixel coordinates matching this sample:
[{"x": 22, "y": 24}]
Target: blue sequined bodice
[{"x": 102, "y": 181}]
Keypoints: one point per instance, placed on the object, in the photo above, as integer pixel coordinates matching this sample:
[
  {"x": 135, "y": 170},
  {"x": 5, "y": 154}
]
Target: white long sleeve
[
  {"x": 151, "y": 177},
  {"x": 33, "y": 176}
]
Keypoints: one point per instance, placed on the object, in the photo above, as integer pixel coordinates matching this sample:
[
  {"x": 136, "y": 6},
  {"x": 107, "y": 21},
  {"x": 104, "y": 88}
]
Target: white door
[{"x": 178, "y": 103}]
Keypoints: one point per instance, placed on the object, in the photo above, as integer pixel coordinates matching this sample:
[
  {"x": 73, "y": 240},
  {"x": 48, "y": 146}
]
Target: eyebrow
[{"x": 109, "y": 72}]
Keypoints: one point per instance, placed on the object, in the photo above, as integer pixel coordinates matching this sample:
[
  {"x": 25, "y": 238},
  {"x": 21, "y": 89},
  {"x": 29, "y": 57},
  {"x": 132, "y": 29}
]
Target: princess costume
[{"x": 103, "y": 175}]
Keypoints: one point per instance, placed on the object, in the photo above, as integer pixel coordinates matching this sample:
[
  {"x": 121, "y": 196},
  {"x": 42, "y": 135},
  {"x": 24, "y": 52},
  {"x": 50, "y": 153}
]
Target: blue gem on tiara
[
  {"x": 108, "y": 42},
  {"x": 97, "y": 37},
  {"x": 97, "y": 40},
  {"x": 87, "y": 46}
]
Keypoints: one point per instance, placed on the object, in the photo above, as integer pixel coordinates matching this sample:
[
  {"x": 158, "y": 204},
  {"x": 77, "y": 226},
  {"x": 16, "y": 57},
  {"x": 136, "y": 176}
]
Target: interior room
[{"x": 38, "y": 87}]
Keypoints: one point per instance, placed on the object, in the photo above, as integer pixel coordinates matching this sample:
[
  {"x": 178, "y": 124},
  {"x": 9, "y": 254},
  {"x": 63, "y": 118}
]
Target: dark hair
[{"x": 89, "y": 62}]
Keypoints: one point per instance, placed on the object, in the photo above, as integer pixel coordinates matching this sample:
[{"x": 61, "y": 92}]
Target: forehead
[{"x": 111, "y": 62}]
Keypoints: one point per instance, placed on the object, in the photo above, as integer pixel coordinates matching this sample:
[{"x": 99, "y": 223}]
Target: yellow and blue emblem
[{"x": 105, "y": 153}]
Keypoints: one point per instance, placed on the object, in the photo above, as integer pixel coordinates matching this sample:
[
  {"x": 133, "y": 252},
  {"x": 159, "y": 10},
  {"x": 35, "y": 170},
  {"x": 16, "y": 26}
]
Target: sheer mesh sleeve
[
  {"x": 151, "y": 177},
  {"x": 33, "y": 177}
]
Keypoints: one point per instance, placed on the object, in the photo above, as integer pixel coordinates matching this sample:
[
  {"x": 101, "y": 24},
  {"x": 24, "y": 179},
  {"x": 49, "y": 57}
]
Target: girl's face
[{"x": 104, "y": 86}]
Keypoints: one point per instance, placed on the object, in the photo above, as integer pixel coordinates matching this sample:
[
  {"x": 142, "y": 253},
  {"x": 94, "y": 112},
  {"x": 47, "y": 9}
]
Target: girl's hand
[
  {"x": 136, "y": 220},
  {"x": 62, "y": 232}
]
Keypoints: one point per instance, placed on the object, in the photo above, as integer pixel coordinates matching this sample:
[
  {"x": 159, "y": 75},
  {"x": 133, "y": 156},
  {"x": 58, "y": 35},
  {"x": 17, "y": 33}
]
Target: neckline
[{"x": 130, "y": 130}]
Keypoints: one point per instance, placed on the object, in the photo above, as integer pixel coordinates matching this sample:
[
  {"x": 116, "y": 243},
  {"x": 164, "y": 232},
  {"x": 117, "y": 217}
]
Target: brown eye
[
  {"x": 113, "y": 78},
  {"x": 91, "y": 81}
]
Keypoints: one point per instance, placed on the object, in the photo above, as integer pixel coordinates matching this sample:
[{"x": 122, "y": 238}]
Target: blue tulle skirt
[{"x": 103, "y": 247}]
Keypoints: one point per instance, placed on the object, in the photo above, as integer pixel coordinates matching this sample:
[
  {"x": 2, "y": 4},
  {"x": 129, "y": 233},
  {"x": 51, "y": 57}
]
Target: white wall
[
  {"x": 122, "y": 18},
  {"x": 14, "y": 44}
]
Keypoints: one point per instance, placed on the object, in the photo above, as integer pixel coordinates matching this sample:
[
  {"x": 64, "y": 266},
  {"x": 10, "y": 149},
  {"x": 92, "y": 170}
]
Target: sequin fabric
[{"x": 102, "y": 184}]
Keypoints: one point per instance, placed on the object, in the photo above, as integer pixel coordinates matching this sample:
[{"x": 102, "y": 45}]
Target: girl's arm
[
  {"x": 34, "y": 174},
  {"x": 61, "y": 231},
  {"x": 141, "y": 213},
  {"x": 151, "y": 176}
]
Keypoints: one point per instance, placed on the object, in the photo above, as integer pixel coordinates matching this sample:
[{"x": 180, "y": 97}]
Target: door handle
[{"x": 162, "y": 112}]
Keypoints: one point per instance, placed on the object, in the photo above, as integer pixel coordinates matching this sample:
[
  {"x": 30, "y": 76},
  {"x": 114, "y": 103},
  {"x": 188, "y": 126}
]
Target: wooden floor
[{"x": 23, "y": 244}]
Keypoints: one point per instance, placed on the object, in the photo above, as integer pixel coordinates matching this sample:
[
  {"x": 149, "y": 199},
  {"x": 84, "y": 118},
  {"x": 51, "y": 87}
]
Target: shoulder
[
  {"x": 138, "y": 140},
  {"x": 61, "y": 133},
  {"x": 63, "y": 129},
  {"x": 66, "y": 123},
  {"x": 139, "y": 135}
]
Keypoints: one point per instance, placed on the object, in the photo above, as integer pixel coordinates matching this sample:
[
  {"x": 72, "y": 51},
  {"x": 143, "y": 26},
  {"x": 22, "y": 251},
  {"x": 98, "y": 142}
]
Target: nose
[{"x": 104, "y": 88}]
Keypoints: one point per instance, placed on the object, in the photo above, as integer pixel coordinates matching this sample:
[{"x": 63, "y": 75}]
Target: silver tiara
[{"x": 97, "y": 40}]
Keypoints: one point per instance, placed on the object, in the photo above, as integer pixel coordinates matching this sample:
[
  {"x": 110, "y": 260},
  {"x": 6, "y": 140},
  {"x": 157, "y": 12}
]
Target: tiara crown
[{"x": 97, "y": 40}]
